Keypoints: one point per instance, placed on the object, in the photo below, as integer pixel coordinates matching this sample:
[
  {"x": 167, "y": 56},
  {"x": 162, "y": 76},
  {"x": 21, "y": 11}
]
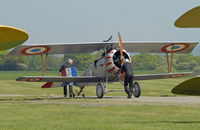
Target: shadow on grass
[
  {"x": 57, "y": 98},
  {"x": 30, "y": 99},
  {"x": 46, "y": 98},
  {"x": 167, "y": 122}
]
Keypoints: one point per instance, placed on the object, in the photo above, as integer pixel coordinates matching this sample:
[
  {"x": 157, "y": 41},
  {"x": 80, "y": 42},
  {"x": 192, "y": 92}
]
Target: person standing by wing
[
  {"x": 65, "y": 70},
  {"x": 128, "y": 70}
]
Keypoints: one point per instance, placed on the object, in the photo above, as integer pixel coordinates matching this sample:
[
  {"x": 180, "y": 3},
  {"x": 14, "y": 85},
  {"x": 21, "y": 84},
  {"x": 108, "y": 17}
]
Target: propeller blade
[
  {"x": 121, "y": 54},
  {"x": 120, "y": 46}
]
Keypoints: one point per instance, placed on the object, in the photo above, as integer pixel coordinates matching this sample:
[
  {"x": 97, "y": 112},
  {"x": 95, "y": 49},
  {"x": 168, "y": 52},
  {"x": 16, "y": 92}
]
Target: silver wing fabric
[
  {"x": 60, "y": 79},
  {"x": 97, "y": 79},
  {"x": 161, "y": 76},
  {"x": 72, "y": 48}
]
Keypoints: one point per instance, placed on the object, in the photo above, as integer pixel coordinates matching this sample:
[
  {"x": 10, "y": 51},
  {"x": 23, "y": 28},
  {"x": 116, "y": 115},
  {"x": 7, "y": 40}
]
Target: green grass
[
  {"x": 161, "y": 87},
  {"x": 38, "y": 109},
  {"x": 34, "y": 115}
]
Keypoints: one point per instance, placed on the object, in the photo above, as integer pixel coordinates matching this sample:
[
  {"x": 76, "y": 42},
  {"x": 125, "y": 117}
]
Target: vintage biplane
[
  {"x": 11, "y": 37},
  {"x": 107, "y": 68},
  {"x": 190, "y": 19}
]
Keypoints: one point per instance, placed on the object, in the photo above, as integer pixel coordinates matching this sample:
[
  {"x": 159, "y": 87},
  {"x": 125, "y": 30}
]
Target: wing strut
[
  {"x": 170, "y": 64},
  {"x": 44, "y": 63}
]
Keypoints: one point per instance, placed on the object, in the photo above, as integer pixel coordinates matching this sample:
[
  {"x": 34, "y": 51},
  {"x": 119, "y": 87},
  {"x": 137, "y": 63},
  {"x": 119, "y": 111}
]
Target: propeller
[
  {"x": 121, "y": 48},
  {"x": 121, "y": 54}
]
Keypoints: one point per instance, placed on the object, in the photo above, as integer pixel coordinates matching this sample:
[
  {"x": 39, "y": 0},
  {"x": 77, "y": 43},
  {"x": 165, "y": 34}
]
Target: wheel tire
[
  {"x": 126, "y": 89},
  {"x": 100, "y": 90},
  {"x": 137, "y": 91}
]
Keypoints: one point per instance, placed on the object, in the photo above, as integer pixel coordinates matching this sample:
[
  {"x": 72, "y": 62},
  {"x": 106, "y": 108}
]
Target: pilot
[
  {"x": 128, "y": 70},
  {"x": 64, "y": 73}
]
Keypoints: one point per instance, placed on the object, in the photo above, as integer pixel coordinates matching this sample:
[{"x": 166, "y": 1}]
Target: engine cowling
[{"x": 112, "y": 60}]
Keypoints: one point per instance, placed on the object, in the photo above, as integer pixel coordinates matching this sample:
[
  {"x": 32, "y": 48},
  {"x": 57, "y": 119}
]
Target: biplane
[
  {"x": 11, "y": 37},
  {"x": 105, "y": 69},
  {"x": 190, "y": 19}
]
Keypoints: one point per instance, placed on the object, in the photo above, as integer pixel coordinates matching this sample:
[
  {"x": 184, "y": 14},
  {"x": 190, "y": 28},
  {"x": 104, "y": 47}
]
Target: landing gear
[
  {"x": 65, "y": 90},
  {"x": 71, "y": 91},
  {"x": 81, "y": 91},
  {"x": 100, "y": 90},
  {"x": 136, "y": 90}
]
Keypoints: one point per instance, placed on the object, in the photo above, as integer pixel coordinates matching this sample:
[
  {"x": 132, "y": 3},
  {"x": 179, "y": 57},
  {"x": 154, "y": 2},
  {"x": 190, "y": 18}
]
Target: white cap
[
  {"x": 70, "y": 61},
  {"x": 127, "y": 60}
]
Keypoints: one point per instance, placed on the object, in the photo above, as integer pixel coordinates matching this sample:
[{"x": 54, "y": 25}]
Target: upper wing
[
  {"x": 161, "y": 76},
  {"x": 57, "y": 48},
  {"x": 71, "y": 48},
  {"x": 159, "y": 47},
  {"x": 60, "y": 79},
  {"x": 190, "y": 19},
  {"x": 11, "y": 37}
]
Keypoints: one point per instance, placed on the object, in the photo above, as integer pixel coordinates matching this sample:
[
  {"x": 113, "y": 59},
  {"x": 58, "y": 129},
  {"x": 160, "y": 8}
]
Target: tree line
[{"x": 142, "y": 61}]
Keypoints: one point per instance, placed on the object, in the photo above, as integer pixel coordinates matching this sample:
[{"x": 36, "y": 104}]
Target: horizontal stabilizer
[{"x": 161, "y": 76}]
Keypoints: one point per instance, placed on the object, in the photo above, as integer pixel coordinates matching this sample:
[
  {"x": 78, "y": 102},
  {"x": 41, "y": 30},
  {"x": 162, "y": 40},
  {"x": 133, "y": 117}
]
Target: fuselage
[{"x": 108, "y": 66}]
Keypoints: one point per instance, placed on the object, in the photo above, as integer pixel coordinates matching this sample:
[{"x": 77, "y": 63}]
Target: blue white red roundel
[
  {"x": 35, "y": 50},
  {"x": 177, "y": 47},
  {"x": 34, "y": 79}
]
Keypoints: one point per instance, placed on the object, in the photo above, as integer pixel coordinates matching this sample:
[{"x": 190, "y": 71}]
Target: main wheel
[
  {"x": 100, "y": 90},
  {"x": 136, "y": 90}
]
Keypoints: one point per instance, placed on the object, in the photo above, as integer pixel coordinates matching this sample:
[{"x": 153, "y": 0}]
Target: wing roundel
[{"x": 74, "y": 48}]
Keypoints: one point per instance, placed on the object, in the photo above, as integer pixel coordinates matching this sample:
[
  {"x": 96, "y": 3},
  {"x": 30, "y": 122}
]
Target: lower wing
[
  {"x": 60, "y": 79},
  {"x": 161, "y": 76},
  {"x": 97, "y": 79}
]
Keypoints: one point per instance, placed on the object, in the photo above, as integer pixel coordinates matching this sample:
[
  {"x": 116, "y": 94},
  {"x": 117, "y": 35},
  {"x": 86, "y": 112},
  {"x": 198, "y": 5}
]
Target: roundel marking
[
  {"x": 175, "y": 76},
  {"x": 177, "y": 47},
  {"x": 35, "y": 50},
  {"x": 34, "y": 79}
]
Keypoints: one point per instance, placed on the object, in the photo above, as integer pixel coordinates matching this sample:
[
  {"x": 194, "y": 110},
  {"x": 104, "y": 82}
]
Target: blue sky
[{"x": 49, "y": 21}]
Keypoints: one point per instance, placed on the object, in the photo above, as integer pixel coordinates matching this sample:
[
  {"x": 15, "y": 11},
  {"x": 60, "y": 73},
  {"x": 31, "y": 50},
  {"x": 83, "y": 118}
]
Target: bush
[
  {"x": 196, "y": 71},
  {"x": 163, "y": 69}
]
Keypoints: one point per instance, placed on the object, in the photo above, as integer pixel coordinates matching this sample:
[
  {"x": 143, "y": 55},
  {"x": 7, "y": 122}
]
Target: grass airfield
[{"x": 25, "y": 105}]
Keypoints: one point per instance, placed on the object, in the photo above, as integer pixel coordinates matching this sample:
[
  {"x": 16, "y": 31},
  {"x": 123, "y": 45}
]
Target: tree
[
  {"x": 196, "y": 71},
  {"x": 54, "y": 62},
  {"x": 14, "y": 63},
  {"x": 81, "y": 61},
  {"x": 145, "y": 61}
]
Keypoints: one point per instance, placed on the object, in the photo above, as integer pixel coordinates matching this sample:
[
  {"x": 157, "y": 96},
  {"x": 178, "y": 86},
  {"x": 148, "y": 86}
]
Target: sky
[{"x": 54, "y": 21}]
